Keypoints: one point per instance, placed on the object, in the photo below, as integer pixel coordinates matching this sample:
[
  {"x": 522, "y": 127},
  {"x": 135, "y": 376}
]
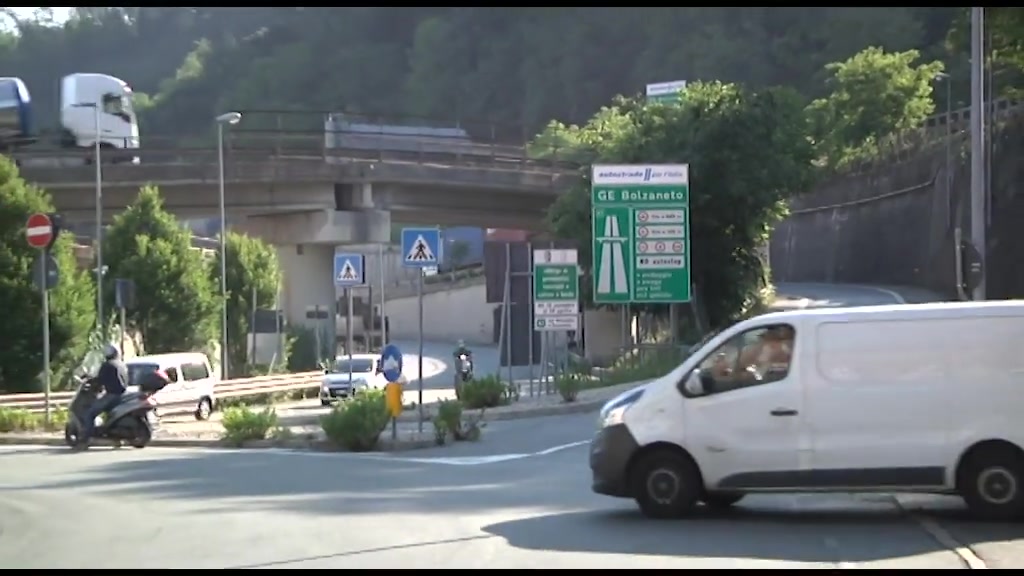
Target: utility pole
[{"x": 978, "y": 195}]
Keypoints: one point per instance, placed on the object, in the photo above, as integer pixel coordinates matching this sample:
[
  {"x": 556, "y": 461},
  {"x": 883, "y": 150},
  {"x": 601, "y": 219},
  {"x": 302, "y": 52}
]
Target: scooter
[
  {"x": 465, "y": 367},
  {"x": 132, "y": 420}
]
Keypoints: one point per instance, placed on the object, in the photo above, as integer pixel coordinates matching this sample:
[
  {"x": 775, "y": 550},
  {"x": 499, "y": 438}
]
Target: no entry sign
[{"x": 39, "y": 231}]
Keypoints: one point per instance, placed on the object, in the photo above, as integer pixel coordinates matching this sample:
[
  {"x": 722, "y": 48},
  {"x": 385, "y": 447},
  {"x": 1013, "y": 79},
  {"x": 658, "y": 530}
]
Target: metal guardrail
[
  {"x": 269, "y": 145},
  {"x": 226, "y": 389}
]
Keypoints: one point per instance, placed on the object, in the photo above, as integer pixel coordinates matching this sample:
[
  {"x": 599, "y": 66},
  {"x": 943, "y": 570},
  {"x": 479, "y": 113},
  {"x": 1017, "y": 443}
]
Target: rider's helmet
[
  {"x": 110, "y": 351},
  {"x": 461, "y": 344}
]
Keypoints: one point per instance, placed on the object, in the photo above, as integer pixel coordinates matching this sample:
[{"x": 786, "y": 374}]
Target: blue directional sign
[
  {"x": 421, "y": 247},
  {"x": 391, "y": 362},
  {"x": 349, "y": 270}
]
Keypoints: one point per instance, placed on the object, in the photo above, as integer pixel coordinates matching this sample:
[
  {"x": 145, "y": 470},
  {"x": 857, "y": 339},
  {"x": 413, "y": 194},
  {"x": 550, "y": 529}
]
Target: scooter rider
[
  {"x": 461, "y": 349},
  {"x": 113, "y": 376}
]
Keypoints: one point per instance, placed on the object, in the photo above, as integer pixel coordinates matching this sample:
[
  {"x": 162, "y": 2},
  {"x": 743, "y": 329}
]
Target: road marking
[
  {"x": 833, "y": 545},
  {"x": 892, "y": 294},
  {"x": 943, "y": 537}
]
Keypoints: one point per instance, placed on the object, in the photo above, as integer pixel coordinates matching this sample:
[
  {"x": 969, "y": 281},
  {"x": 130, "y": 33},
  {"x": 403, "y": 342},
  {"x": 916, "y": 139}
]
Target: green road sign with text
[{"x": 641, "y": 233}]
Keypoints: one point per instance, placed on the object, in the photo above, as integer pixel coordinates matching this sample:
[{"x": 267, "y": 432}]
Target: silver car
[{"x": 344, "y": 380}]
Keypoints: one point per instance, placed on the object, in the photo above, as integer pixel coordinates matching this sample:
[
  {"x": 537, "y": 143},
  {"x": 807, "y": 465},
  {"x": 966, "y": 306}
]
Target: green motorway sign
[
  {"x": 641, "y": 232},
  {"x": 665, "y": 91}
]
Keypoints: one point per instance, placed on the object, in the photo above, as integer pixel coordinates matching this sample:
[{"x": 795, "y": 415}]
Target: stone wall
[{"x": 894, "y": 225}]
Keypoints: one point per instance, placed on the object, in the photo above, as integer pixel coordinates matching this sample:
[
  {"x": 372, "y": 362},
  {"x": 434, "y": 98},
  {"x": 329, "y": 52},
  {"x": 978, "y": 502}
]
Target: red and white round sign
[
  {"x": 39, "y": 230},
  {"x": 642, "y": 231},
  {"x": 641, "y": 216},
  {"x": 642, "y": 247},
  {"x": 677, "y": 246},
  {"x": 659, "y": 247}
]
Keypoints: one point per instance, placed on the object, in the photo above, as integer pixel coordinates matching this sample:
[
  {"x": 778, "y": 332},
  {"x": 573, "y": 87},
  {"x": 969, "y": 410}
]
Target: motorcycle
[{"x": 131, "y": 420}]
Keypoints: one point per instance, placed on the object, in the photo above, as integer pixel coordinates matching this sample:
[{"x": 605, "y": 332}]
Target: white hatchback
[{"x": 345, "y": 379}]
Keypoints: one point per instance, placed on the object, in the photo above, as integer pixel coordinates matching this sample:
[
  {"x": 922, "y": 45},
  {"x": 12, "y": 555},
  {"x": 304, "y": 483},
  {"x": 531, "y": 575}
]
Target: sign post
[
  {"x": 40, "y": 233},
  {"x": 349, "y": 271},
  {"x": 556, "y": 290},
  {"x": 391, "y": 368},
  {"x": 421, "y": 248},
  {"x": 641, "y": 231}
]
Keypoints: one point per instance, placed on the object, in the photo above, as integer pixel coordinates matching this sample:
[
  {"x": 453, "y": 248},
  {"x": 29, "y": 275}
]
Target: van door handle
[{"x": 783, "y": 412}]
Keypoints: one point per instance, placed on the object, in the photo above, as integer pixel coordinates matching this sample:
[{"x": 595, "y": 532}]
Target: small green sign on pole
[
  {"x": 556, "y": 290},
  {"x": 665, "y": 92},
  {"x": 641, "y": 233}
]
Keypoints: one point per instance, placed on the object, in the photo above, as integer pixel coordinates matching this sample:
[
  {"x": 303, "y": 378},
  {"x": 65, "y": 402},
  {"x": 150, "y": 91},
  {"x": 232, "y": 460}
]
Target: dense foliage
[
  {"x": 517, "y": 66},
  {"x": 72, "y": 309},
  {"x": 747, "y": 152},
  {"x": 253, "y": 276}
]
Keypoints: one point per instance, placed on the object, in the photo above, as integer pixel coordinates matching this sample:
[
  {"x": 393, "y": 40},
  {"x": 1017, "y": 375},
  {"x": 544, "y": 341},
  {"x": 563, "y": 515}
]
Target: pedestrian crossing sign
[
  {"x": 421, "y": 247},
  {"x": 349, "y": 270}
]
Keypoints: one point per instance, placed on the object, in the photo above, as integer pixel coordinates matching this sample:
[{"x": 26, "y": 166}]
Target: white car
[{"x": 345, "y": 379}]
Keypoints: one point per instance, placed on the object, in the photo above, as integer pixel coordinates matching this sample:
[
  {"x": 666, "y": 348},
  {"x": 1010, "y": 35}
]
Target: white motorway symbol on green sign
[
  {"x": 641, "y": 230},
  {"x": 556, "y": 290}
]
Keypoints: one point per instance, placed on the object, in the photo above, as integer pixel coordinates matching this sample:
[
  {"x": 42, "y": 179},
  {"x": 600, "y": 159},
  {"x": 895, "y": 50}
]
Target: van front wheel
[
  {"x": 991, "y": 481},
  {"x": 665, "y": 484}
]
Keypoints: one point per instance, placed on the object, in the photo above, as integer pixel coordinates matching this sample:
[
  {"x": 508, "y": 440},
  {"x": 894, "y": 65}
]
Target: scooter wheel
[{"x": 71, "y": 435}]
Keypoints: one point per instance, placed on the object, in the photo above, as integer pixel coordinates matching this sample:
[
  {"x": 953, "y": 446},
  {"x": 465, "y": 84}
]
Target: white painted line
[
  {"x": 892, "y": 294},
  {"x": 943, "y": 537}
]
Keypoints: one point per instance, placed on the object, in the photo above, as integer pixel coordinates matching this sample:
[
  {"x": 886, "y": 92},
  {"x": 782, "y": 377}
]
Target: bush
[
  {"x": 21, "y": 420},
  {"x": 569, "y": 386},
  {"x": 484, "y": 392},
  {"x": 242, "y": 423},
  {"x": 449, "y": 421},
  {"x": 356, "y": 424}
]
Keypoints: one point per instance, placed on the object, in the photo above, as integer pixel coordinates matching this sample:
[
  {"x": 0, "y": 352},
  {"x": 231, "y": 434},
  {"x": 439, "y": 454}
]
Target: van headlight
[{"x": 614, "y": 416}]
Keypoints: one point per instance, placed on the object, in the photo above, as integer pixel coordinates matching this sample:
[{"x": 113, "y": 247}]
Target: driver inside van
[{"x": 767, "y": 355}]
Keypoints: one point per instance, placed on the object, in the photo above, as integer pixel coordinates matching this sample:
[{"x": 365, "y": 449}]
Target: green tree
[
  {"x": 175, "y": 303},
  {"x": 747, "y": 152},
  {"x": 874, "y": 94},
  {"x": 252, "y": 270},
  {"x": 72, "y": 310}
]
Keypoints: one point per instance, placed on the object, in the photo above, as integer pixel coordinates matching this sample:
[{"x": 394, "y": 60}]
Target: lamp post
[
  {"x": 944, "y": 77},
  {"x": 97, "y": 160},
  {"x": 229, "y": 118}
]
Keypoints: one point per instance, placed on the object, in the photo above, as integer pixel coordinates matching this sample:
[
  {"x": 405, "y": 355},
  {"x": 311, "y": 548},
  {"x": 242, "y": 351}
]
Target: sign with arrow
[{"x": 391, "y": 363}]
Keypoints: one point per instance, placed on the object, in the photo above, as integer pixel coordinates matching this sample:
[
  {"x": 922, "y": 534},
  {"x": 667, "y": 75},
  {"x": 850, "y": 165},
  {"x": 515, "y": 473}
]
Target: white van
[
  {"x": 192, "y": 382},
  {"x": 907, "y": 398}
]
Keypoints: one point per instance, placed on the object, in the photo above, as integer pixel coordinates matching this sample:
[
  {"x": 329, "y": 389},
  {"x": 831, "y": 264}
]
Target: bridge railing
[{"x": 261, "y": 139}]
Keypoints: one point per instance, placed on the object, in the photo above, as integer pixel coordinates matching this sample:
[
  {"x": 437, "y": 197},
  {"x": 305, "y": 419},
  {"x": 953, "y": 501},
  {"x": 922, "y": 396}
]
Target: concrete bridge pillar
[{"x": 306, "y": 243}]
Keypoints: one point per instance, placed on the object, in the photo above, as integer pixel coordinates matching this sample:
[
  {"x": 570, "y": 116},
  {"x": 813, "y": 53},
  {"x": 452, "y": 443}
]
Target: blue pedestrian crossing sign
[
  {"x": 349, "y": 270},
  {"x": 391, "y": 363},
  {"x": 421, "y": 247}
]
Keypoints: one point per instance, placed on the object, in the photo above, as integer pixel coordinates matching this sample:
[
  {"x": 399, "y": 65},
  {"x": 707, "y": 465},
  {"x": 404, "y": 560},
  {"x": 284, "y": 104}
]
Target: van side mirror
[
  {"x": 697, "y": 384},
  {"x": 326, "y": 371}
]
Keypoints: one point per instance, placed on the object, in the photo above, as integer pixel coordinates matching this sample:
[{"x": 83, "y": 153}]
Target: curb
[
  {"x": 383, "y": 445},
  {"x": 551, "y": 410}
]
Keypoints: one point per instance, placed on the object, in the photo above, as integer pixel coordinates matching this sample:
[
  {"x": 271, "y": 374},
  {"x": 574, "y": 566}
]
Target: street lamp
[
  {"x": 229, "y": 119},
  {"x": 99, "y": 208},
  {"x": 943, "y": 77}
]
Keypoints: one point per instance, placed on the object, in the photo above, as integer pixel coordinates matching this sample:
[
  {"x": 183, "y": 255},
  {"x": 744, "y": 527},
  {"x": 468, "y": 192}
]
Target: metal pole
[
  {"x": 124, "y": 330},
  {"x": 252, "y": 327},
  {"x": 508, "y": 310},
  {"x": 978, "y": 143},
  {"x": 318, "y": 324},
  {"x": 383, "y": 317},
  {"x": 419, "y": 358},
  {"x": 99, "y": 219},
  {"x": 949, "y": 150},
  {"x": 533, "y": 326},
  {"x": 46, "y": 339},
  {"x": 223, "y": 257},
  {"x": 349, "y": 344}
]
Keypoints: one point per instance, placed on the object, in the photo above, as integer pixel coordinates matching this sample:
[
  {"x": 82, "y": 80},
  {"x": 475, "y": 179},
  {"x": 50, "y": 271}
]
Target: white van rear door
[{"x": 746, "y": 432}]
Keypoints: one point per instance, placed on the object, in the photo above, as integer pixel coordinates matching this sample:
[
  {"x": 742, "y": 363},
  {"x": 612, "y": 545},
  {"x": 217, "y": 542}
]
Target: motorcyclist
[
  {"x": 113, "y": 376},
  {"x": 461, "y": 349}
]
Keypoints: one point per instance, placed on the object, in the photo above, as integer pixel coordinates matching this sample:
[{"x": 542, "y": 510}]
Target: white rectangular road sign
[
  {"x": 554, "y": 256},
  {"x": 556, "y": 308},
  {"x": 556, "y": 323}
]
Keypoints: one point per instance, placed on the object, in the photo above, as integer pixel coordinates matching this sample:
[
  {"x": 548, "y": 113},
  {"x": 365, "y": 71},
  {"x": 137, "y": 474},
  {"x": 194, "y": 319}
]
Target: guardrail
[
  {"x": 272, "y": 146},
  {"x": 227, "y": 389}
]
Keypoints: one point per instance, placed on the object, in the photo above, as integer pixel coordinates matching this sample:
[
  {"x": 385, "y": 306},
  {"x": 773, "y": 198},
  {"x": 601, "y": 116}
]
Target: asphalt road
[{"x": 520, "y": 498}]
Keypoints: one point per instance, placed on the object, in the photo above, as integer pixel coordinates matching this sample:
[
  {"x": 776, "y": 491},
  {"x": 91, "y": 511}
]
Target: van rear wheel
[
  {"x": 665, "y": 484},
  {"x": 204, "y": 409},
  {"x": 991, "y": 481}
]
